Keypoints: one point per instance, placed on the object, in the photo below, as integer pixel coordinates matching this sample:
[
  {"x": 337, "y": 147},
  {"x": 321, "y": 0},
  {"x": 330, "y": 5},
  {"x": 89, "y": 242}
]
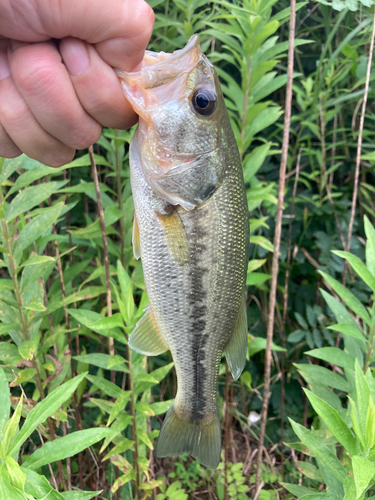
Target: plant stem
[
  {"x": 120, "y": 204},
  {"x": 134, "y": 423},
  {"x": 370, "y": 350},
  {"x": 105, "y": 249},
  {"x": 275, "y": 260},
  {"x": 226, "y": 432},
  {"x": 359, "y": 145}
]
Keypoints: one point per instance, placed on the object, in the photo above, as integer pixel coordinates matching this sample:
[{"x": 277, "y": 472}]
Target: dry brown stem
[
  {"x": 275, "y": 260},
  {"x": 359, "y": 144},
  {"x": 94, "y": 170}
]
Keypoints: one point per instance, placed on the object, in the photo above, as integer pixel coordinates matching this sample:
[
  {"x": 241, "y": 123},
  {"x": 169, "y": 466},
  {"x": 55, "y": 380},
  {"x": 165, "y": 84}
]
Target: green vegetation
[{"x": 79, "y": 411}]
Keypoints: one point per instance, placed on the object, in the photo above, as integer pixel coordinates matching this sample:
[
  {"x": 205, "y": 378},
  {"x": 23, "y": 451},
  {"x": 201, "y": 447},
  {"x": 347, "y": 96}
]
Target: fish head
[{"x": 181, "y": 108}]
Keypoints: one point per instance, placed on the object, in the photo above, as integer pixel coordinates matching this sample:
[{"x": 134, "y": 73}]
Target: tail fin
[{"x": 200, "y": 439}]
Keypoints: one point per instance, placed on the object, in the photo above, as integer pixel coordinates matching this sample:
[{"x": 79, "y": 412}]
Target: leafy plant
[
  {"x": 22, "y": 482},
  {"x": 347, "y": 431}
]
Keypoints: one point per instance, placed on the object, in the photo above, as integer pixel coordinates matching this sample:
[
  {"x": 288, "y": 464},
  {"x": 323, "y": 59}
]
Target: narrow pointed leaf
[{"x": 65, "y": 447}]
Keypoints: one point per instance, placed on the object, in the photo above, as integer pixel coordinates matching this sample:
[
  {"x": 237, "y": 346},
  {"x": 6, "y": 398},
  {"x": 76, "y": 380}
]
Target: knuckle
[
  {"x": 35, "y": 78},
  {"x": 85, "y": 139}
]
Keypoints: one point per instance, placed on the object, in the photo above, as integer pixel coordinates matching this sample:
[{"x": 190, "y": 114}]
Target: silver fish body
[{"x": 193, "y": 231}]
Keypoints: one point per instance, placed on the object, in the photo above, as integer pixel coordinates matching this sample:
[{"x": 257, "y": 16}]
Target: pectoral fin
[
  {"x": 136, "y": 241},
  {"x": 146, "y": 338},
  {"x": 237, "y": 345},
  {"x": 175, "y": 236}
]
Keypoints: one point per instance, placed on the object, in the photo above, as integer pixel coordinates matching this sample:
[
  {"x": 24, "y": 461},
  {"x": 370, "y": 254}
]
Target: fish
[{"x": 191, "y": 230}]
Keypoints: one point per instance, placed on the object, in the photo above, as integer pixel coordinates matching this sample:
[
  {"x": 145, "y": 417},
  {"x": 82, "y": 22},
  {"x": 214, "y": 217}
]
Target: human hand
[{"x": 57, "y": 84}]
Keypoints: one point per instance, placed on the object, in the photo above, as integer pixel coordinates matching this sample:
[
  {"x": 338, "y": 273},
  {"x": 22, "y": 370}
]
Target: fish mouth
[{"x": 159, "y": 68}]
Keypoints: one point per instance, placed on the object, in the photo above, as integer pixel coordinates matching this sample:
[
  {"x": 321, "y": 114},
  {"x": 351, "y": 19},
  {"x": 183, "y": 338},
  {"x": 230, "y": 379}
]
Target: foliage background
[{"x": 64, "y": 314}]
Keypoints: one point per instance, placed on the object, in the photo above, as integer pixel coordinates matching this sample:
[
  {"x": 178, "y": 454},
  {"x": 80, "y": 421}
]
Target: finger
[
  {"x": 7, "y": 147},
  {"x": 44, "y": 84},
  {"x": 23, "y": 130},
  {"x": 96, "y": 84},
  {"x": 120, "y": 28}
]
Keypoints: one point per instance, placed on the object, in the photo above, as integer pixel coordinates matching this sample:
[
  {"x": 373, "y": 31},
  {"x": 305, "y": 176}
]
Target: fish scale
[{"x": 194, "y": 257}]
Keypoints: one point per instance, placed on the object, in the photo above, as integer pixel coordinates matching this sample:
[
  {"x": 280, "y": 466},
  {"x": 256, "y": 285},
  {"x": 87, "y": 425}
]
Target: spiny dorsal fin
[
  {"x": 147, "y": 338},
  {"x": 175, "y": 236},
  {"x": 136, "y": 240},
  {"x": 237, "y": 346}
]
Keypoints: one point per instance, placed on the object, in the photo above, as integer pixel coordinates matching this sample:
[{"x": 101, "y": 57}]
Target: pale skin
[{"x": 57, "y": 83}]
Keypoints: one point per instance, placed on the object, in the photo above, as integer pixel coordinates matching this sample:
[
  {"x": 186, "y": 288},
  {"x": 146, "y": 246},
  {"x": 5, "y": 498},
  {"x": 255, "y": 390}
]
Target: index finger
[{"x": 120, "y": 29}]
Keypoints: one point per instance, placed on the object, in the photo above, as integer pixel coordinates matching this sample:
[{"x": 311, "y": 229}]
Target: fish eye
[{"x": 204, "y": 102}]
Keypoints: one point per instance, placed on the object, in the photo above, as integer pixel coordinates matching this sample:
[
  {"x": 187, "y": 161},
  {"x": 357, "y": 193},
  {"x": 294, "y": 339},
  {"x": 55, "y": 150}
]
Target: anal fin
[
  {"x": 175, "y": 236},
  {"x": 237, "y": 346},
  {"x": 136, "y": 240},
  {"x": 146, "y": 338}
]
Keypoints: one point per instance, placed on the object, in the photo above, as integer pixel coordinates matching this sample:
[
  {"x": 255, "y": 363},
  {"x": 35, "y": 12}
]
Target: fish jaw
[{"x": 180, "y": 149}]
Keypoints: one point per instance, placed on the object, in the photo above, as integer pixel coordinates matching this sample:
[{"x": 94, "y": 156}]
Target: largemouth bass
[{"x": 191, "y": 230}]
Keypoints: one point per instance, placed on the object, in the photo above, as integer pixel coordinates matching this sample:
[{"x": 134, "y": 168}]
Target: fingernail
[
  {"x": 76, "y": 57},
  {"x": 4, "y": 66}
]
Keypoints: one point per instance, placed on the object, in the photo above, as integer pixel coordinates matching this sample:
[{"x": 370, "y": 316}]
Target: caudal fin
[{"x": 200, "y": 439}]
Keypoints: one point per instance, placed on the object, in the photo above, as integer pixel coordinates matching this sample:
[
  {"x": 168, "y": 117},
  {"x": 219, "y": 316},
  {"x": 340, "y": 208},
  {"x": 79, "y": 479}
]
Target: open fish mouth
[
  {"x": 159, "y": 68},
  {"x": 180, "y": 106}
]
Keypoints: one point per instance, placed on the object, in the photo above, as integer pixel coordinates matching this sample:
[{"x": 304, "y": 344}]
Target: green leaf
[
  {"x": 161, "y": 407},
  {"x": 23, "y": 376},
  {"x": 10, "y": 429},
  {"x": 119, "y": 405},
  {"x": 37, "y": 226},
  {"x": 16, "y": 474},
  {"x": 262, "y": 242},
  {"x": 80, "y": 495},
  {"x": 320, "y": 451},
  {"x": 126, "y": 292},
  {"x": 296, "y": 490},
  {"x": 105, "y": 361},
  {"x": 255, "y": 264},
  {"x": 348, "y": 297},
  {"x": 39, "y": 487},
  {"x": 45, "y": 409},
  {"x": 333, "y": 355},
  {"x": 350, "y": 329},
  {"x": 142, "y": 435},
  {"x": 363, "y": 396},
  {"x": 363, "y": 471},
  {"x": 104, "y": 325},
  {"x": 358, "y": 267},
  {"x": 334, "y": 422},
  {"x": 29, "y": 198},
  {"x": 324, "y": 376},
  {"x": 29, "y": 348},
  {"x": 257, "y": 278},
  {"x": 370, "y": 245},
  {"x": 370, "y": 425},
  {"x": 254, "y": 160},
  {"x": 106, "y": 386},
  {"x": 257, "y": 344},
  {"x": 5, "y": 402},
  {"x": 65, "y": 447},
  {"x": 129, "y": 476},
  {"x": 7, "y": 491}
]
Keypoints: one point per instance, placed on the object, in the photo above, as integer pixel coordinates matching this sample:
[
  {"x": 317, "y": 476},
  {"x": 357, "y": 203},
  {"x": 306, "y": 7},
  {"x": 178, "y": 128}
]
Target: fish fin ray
[
  {"x": 175, "y": 236},
  {"x": 200, "y": 439},
  {"x": 136, "y": 240},
  {"x": 237, "y": 346},
  {"x": 147, "y": 338}
]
